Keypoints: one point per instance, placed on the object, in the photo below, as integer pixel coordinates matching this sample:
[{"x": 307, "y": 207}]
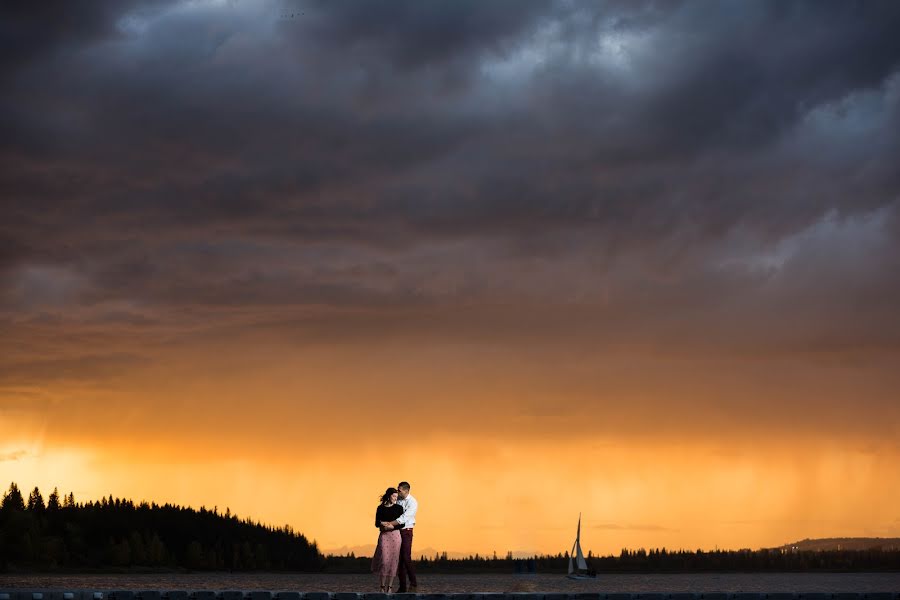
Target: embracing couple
[{"x": 395, "y": 518}]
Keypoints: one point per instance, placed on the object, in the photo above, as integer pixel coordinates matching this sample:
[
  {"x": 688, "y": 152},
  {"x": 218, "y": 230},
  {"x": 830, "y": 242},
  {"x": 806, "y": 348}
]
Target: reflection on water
[{"x": 690, "y": 582}]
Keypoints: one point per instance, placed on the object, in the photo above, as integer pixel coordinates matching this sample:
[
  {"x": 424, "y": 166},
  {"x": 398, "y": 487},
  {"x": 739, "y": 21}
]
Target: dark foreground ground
[{"x": 544, "y": 583}]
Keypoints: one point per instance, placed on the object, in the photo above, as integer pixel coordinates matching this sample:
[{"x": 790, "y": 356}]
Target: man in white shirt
[{"x": 405, "y": 523}]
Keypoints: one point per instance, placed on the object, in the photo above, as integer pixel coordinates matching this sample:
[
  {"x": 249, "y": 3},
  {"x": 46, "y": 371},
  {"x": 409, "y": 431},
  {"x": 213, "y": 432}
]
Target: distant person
[
  {"x": 387, "y": 552},
  {"x": 405, "y": 523}
]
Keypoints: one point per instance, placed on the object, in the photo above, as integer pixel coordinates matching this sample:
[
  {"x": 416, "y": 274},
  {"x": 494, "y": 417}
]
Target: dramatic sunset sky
[{"x": 635, "y": 260}]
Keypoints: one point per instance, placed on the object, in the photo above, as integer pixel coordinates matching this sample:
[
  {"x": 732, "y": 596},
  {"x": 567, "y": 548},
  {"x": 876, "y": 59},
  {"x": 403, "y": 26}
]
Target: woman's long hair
[{"x": 386, "y": 497}]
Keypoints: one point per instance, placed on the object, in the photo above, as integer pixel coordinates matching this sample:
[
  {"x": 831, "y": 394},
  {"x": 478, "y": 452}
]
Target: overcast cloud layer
[{"x": 677, "y": 179}]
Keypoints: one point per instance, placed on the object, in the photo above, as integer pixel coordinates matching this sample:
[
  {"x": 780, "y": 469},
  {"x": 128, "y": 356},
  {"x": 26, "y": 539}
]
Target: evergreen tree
[
  {"x": 53, "y": 500},
  {"x": 13, "y": 499},
  {"x": 36, "y": 501}
]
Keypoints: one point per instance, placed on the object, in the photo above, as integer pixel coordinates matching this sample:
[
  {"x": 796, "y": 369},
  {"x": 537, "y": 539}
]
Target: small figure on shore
[
  {"x": 405, "y": 524},
  {"x": 387, "y": 552}
]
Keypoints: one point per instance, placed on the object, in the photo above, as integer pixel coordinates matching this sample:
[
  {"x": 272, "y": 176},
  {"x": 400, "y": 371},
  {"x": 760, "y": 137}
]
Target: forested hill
[
  {"x": 62, "y": 533},
  {"x": 846, "y": 543}
]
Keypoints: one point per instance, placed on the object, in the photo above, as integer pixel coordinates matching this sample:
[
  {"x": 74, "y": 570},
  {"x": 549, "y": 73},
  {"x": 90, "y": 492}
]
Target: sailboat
[{"x": 578, "y": 568}]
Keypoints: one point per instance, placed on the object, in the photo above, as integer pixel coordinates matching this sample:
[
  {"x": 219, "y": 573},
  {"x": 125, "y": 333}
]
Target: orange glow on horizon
[
  {"x": 484, "y": 496},
  {"x": 503, "y": 449}
]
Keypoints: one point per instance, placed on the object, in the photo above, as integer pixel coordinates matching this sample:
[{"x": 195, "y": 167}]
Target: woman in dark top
[{"x": 387, "y": 553}]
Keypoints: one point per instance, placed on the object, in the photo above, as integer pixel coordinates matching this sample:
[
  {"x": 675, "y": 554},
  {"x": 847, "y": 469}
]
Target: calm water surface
[{"x": 705, "y": 582}]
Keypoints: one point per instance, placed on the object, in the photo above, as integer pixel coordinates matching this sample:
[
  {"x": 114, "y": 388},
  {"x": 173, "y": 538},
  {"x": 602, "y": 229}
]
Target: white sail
[
  {"x": 571, "y": 566},
  {"x": 579, "y": 555},
  {"x": 582, "y": 564}
]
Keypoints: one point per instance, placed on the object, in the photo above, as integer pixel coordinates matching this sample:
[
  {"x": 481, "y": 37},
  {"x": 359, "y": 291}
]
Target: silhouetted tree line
[
  {"x": 62, "y": 533},
  {"x": 651, "y": 561}
]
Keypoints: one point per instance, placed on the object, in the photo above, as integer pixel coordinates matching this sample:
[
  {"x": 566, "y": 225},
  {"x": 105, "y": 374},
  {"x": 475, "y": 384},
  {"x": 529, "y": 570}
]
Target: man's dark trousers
[{"x": 406, "y": 568}]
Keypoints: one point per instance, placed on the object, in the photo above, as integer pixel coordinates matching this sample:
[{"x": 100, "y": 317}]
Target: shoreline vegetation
[{"x": 114, "y": 535}]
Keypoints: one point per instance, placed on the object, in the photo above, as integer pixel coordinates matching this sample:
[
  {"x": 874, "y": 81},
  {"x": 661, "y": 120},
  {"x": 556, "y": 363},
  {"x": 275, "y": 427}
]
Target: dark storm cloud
[
  {"x": 413, "y": 35},
  {"x": 31, "y": 30},
  {"x": 735, "y": 74},
  {"x": 661, "y": 166}
]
